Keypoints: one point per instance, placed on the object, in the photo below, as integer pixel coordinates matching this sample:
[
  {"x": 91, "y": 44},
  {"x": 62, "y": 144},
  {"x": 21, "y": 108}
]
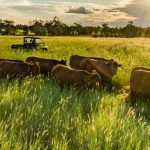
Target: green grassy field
[{"x": 38, "y": 115}]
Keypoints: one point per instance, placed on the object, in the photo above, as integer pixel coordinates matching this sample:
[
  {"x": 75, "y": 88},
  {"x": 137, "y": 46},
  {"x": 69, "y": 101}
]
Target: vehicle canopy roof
[{"x": 32, "y": 37}]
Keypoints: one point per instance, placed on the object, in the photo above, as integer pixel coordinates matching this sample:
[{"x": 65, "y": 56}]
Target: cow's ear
[
  {"x": 94, "y": 72},
  {"x": 37, "y": 63},
  {"x": 30, "y": 62},
  {"x": 95, "y": 76},
  {"x": 119, "y": 65},
  {"x": 63, "y": 61}
]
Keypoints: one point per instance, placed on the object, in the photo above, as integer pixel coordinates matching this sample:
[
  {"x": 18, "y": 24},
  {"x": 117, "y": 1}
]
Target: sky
[{"x": 85, "y": 12}]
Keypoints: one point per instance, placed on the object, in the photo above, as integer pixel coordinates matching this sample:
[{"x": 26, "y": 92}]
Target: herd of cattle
[{"x": 90, "y": 72}]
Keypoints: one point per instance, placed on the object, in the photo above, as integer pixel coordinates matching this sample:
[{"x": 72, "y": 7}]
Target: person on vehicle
[
  {"x": 25, "y": 43},
  {"x": 32, "y": 43}
]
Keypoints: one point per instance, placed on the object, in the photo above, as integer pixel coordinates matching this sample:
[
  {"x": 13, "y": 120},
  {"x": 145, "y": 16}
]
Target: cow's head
[
  {"x": 114, "y": 66},
  {"x": 34, "y": 69},
  {"x": 94, "y": 80}
]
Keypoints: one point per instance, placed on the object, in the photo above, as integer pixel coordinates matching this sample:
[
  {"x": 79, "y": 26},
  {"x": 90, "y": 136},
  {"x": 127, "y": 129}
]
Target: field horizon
[{"x": 37, "y": 114}]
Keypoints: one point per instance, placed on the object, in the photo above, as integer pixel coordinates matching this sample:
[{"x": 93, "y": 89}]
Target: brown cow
[
  {"x": 141, "y": 68},
  {"x": 45, "y": 65},
  {"x": 13, "y": 60},
  {"x": 18, "y": 69},
  {"x": 140, "y": 82},
  {"x": 80, "y": 78},
  {"x": 106, "y": 69},
  {"x": 76, "y": 59}
]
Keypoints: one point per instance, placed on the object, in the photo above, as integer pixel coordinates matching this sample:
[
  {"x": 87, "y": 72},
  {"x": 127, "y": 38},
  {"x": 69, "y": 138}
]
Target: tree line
[{"x": 56, "y": 27}]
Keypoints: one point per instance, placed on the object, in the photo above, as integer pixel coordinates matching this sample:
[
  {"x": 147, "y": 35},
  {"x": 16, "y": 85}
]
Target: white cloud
[
  {"x": 122, "y": 3},
  {"x": 109, "y": 17},
  {"x": 15, "y": 3},
  {"x": 116, "y": 11},
  {"x": 14, "y": 15},
  {"x": 140, "y": 10}
]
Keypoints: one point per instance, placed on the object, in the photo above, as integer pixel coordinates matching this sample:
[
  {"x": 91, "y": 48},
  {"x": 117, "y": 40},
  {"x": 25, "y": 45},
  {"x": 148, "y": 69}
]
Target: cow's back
[
  {"x": 100, "y": 66},
  {"x": 60, "y": 70},
  {"x": 141, "y": 68},
  {"x": 65, "y": 75},
  {"x": 87, "y": 64},
  {"x": 12, "y": 60},
  {"x": 45, "y": 65},
  {"x": 13, "y": 68},
  {"x": 18, "y": 69},
  {"x": 75, "y": 60},
  {"x": 140, "y": 82}
]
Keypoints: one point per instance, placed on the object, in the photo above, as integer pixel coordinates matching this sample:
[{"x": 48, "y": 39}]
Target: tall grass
[{"x": 36, "y": 114}]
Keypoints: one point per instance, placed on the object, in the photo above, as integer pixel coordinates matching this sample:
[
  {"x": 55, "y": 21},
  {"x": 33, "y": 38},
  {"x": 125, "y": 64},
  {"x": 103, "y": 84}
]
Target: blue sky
[{"x": 86, "y": 12}]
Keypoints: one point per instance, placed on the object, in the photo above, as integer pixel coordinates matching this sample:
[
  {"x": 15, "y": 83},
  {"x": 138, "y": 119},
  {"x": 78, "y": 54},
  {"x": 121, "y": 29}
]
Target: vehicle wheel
[
  {"x": 45, "y": 49},
  {"x": 14, "y": 49}
]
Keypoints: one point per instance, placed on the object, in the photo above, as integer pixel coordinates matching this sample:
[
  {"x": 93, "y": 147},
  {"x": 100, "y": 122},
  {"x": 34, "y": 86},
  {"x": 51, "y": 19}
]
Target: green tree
[
  {"x": 130, "y": 30},
  {"x": 37, "y": 27},
  {"x": 39, "y": 30},
  {"x": 8, "y": 27},
  {"x": 105, "y": 30}
]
